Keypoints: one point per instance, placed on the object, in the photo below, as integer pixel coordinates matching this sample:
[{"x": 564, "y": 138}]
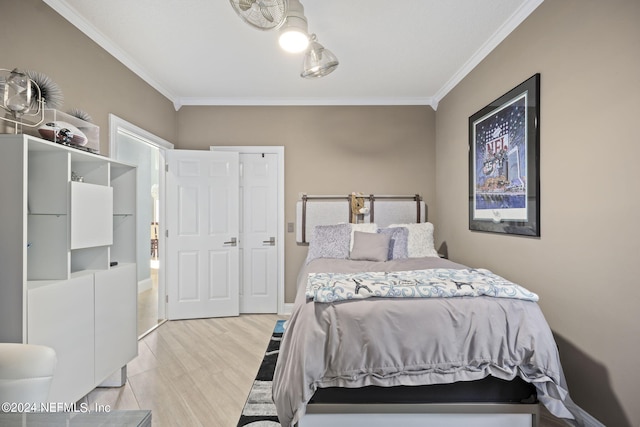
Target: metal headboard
[{"x": 333, "y": 209}]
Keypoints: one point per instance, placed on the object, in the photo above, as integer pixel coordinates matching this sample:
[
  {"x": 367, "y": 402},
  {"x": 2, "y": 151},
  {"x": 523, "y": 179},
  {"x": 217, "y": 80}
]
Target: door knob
[
  {"x": 232, "y": 242},
  {"x": 271, "y": 241}
]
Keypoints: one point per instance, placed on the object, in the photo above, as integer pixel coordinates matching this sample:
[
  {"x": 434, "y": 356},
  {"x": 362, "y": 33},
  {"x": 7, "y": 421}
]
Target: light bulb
[{"x": 293, "y": 41}]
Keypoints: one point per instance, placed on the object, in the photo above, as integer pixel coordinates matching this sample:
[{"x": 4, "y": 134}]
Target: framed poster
[{"x": 504, "y": 163}]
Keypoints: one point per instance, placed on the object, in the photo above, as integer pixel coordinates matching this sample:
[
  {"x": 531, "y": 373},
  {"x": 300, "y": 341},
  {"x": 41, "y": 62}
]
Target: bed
[{"x": 360, "y": 342}]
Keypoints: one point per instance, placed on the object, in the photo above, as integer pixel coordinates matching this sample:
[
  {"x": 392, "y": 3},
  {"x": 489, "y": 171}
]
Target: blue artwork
[
  {"x": 504, "y": 163},
  {"x": 500, "y": 148}
]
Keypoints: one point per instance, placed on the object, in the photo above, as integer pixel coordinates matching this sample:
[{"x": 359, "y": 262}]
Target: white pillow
[
  {"x": 420, "y": 242},
  {"x": 366, "y": 227}
]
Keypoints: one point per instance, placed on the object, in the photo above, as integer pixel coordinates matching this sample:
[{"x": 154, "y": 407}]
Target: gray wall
[
  {"x": 585, "y": 262},
  {"x": 34, "y": 37},
  {"x": 328, "y": 150}
]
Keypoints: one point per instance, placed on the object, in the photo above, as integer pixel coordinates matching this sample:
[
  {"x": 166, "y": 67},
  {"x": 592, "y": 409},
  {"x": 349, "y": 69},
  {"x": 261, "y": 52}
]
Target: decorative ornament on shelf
[
  {"x": 50, "y": 91},
  {"x": 21, "y": 97},
  {"x": 63, "y": 133},
  {"x": 79, "y": 114},
  {"x": 73, "y": 129}
]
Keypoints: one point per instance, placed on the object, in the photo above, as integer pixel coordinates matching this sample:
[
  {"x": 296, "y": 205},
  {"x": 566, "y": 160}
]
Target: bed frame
[
  {"x": 422, "y": 414},
  {"x": 490, "y": 401},
  {"x": 334, "y": 209},
  {"x": 447, "y": 407}
]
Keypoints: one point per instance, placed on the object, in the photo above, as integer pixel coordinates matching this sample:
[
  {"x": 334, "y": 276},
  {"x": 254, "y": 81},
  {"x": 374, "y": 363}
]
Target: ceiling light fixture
[
  {"x": 293, "y": 34},
  {"x": 288, "y": 16},
  {"x": 318, "y": 61}
]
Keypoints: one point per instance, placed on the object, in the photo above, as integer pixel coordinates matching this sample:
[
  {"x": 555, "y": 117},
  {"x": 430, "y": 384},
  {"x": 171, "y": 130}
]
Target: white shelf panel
[{"x": 91, "y": 215}]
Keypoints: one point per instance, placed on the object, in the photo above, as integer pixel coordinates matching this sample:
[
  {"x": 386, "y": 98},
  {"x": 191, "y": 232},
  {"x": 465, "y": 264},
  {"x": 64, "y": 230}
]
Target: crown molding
[
  {"x": 511, "y": 24},
  {"x": 71, "y": 15},
  {"x": 363, "y": 101}
]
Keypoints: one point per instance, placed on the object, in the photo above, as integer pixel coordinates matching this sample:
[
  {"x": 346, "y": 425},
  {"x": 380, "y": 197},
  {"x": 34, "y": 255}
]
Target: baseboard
[
  {"x": 287, "y": 309},
  {"x": 145, "y": 285}
]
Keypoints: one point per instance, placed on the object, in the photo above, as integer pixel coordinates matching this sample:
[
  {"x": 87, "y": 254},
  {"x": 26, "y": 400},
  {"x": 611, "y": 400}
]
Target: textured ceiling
[{"x": 199, "y": 52}]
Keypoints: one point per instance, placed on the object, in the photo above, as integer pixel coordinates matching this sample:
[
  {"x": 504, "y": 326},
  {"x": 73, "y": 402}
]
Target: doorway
[{"x": 135, "y": 146}]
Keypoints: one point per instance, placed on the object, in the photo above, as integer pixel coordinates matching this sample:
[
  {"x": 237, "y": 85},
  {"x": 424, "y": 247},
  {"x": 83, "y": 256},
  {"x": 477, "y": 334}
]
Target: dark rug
[{"x": 259, "y": 410}]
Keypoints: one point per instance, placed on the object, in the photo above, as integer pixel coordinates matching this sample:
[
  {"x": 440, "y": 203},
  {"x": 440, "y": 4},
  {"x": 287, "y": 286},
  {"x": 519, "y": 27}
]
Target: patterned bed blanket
[{"x": 429, "y": 283}]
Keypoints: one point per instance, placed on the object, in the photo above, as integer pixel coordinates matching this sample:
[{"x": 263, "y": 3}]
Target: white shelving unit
[{"x": 66, "y": 216}]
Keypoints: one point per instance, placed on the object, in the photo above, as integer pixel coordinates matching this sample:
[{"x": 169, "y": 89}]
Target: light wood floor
[{"x": 194, "y": 372}]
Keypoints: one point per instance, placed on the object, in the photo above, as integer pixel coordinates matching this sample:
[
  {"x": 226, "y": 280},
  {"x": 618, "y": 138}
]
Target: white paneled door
[
  {"x": 259, "y": 233},
  {"x": 202, "y": 234}
]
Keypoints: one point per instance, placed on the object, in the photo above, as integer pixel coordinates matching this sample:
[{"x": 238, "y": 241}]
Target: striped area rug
[{"x": 259, "y": 410}]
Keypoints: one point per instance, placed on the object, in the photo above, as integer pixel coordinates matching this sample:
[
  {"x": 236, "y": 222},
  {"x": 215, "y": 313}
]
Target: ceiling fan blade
[
  {"x": 245, "y": 5},
  {"x": 265, "y": 12}
]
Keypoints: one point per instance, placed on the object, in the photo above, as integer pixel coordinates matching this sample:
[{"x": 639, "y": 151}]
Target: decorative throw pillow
[
  {"x": 367, "y": 227},
  {"x": 329, "y": 241},
  {"x": 370, "y": 246},
  {"x": 420, "y": 242},
  {"x": 398, "y": 247}
]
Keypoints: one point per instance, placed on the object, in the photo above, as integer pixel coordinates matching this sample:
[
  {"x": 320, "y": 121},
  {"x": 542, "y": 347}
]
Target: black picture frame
[{"x": 504, "y": 163}]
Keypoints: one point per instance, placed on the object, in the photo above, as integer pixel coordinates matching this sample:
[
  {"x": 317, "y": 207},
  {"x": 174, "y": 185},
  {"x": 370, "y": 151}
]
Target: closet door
[{"x": 259, "y": 233}]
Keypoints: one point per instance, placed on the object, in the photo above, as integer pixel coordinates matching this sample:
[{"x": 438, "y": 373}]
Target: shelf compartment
[
  {"x": 93, "y": 170},
  {"x": 124, "y": 247},
  {"x": 47, "y": 253},
  {"x": 48, "y": 177},
  {"x": 123, "y": 181},
  {"x": 96, "y": 258}
]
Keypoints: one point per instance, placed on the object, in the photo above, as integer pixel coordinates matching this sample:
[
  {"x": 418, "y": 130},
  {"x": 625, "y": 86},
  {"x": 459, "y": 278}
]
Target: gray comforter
[{"x": 390, "y": 342}]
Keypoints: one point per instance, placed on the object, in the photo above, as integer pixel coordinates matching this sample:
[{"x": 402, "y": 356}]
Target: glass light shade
[
  {"x": 318, "y": 61},
  {"x": 17, "y": 95}
]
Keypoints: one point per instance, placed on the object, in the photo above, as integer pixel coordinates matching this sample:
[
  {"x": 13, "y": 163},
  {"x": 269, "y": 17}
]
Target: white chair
[{"x": 26, "y": 372}]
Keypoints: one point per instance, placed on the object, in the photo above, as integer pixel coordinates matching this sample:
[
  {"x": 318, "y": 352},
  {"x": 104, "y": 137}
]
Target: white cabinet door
[
  {"x": 91, "y": 215},
  {"x": 60, "y": 315},
  {"x": 116, "y": 340},
  {"x": 259, "y": 233},
  {"x": 203, "y": 225}
]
